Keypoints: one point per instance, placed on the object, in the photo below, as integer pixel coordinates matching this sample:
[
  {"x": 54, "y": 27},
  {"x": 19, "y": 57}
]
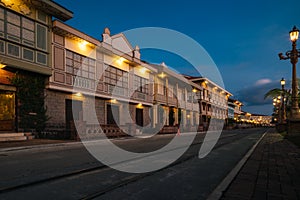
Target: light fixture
[
  {"x": 162, "y": 75},
  {"x": 82, "y": 44},
  {"x": 2, "y": 65},
  {"x": 120, "y": 60},
  {"x": 78, "y": 94},
  {"x": 195, "y": 90},
  {"x": 113, "y": 101},
  {"x": 143, "y": 70},
  {"x": 282, "y": 82},
  {"x": 139, "y": 105},
  {"x": 294, "y": 34}
]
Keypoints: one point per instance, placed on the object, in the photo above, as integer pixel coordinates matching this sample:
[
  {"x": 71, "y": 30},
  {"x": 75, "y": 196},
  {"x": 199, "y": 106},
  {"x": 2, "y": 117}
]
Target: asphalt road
[{"x": 70, "y": 172}]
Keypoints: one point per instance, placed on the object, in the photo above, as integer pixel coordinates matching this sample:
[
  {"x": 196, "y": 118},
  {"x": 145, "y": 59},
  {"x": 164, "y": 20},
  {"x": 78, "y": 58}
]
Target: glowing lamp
[
  {"x": 282, "y": 82},
  {"x": 294, "y": 34}
]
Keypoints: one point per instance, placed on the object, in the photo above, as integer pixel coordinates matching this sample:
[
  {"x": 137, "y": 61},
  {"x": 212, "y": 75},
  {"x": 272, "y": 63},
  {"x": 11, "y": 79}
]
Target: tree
[{"x": 31, "y": 101}]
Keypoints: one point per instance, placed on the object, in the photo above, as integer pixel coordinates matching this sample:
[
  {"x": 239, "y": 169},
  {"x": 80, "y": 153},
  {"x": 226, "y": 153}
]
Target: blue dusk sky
[{"x": 243, "y": 38}]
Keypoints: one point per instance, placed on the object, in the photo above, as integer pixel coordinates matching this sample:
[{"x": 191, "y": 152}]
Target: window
[
  {"x": 141, "y": 84},
  {"x": 13, "y": 50},
  {"x": 179, "y": 94},
  {"x": 160, "y": 87},
  {"x": 170, "y": 90},
  {"x": 80, "y": 65},
  {"x": 116, "y": 79},
  {"x": 41, "y": 58},
  {"x": 13, "y": 26},
  {"x": 1, "y": 22},
  {"x": 2, "y": 49},
  {"x": 28, "y": 33},
  {"x": 28, "y": 54},
  {"x": 41, "y": 16},
  {"x": 41, "y": 37}
]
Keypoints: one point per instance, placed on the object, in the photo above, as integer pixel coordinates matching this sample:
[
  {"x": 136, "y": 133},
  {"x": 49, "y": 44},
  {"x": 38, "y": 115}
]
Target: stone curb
[{"x": 39, "y": 146}]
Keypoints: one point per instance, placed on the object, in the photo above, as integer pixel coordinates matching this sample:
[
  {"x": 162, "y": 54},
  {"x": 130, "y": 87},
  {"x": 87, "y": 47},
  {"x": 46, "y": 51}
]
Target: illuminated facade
[
  {"x": 234, "y": 109},
  {"x": 213, "y": 101},
  {"x": 25, "y": 48},
  {"x": 176, "y": 100},
  {"x": 79, "y": 70},
  {"x": 108, "y": 72}
]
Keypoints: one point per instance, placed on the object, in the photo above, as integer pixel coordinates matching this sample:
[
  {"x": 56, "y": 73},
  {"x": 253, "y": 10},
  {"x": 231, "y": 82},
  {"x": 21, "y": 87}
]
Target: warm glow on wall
[
  {"x": 143, "y": 70},
  {"x": 120, "y": 60},
  {"x": 2, "y": 66},
  {"x": 139, "y": 105},
  {"x": 8, "y": 3},
  {"x": 113, "y": 101},
  {"x": 162, "y": 75},
  {"x": 82, "y": 45},
  {"x": 78, "y": 94}
]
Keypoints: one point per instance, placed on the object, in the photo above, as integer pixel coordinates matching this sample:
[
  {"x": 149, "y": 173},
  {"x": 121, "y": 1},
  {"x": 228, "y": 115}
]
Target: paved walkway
[{"x": 271, "y": 172}]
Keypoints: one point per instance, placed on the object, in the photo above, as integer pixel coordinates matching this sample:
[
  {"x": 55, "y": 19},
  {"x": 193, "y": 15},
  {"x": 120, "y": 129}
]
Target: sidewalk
[{"x": 271, "y": 172}]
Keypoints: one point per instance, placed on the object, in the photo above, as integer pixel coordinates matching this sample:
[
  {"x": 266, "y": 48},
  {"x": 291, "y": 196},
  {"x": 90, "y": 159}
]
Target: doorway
[
  {"x": 7, "y": 111},
  {"x": 73, "y": 112},
  {"x": 113, "y": 114},
  {"x": 139, "y": 119}
]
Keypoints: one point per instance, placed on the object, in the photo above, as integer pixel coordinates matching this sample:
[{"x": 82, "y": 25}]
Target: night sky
[{"x": 243, "y": 38}]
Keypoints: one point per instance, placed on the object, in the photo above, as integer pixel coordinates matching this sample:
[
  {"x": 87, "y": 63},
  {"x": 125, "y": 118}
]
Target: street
[{"x": 70, "y": 172}]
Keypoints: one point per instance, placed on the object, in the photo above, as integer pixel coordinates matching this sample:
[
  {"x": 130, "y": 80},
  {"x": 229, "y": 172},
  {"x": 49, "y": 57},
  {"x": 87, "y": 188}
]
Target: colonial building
[
  {"x": 213, "y": 101},
  {"x": 108, "y": 73},
  {"x": 175, "y": 100},
  {"x": 25, "y": 58},
  {"x": 234, "y": 109}
]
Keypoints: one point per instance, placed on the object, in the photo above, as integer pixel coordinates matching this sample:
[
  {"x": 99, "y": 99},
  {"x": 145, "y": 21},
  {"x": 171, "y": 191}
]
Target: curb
[
  {"x": 218, "y": 191},
  {"x": 38, "y": 146}
]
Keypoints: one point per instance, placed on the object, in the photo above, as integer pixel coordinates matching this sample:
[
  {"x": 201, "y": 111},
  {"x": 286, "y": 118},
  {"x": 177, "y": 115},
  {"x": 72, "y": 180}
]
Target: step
[
  {"x": 30, "y": 137},
  {"x": 4, "y": 135},
  {"x": 17, "y": 138}
]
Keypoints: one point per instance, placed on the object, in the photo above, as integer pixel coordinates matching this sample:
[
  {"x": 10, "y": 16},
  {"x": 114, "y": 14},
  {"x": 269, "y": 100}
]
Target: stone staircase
[{"x": 10, "y": 137}]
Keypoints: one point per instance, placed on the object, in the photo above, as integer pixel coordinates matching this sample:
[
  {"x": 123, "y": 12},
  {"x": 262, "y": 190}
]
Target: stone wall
[{"x": 55, "y": 103}]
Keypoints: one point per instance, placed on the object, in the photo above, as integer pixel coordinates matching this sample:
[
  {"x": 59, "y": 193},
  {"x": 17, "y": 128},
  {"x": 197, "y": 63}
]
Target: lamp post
[
  {"x": 283, "y": 113},
  {"x": 293, "y": 56}
]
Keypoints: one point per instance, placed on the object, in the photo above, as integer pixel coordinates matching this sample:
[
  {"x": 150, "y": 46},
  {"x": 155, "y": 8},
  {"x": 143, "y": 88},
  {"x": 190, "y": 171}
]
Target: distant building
[
  {"x": 213, "y": 100},
  {"x": 234, "y": 109},
  {"x": 176, "y": 99}
]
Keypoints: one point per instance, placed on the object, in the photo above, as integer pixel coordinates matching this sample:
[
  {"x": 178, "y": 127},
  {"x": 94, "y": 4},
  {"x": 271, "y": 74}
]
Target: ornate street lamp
[
  {"x": 293, "y": 56},
  {"x": 283, "y": 113}
]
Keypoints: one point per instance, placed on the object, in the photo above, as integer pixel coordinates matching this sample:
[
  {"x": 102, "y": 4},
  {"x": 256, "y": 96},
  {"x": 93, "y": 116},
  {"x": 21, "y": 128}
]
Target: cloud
[
  {"x": 263, "y": 81},
  {"x": 254, "y": 95}
]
